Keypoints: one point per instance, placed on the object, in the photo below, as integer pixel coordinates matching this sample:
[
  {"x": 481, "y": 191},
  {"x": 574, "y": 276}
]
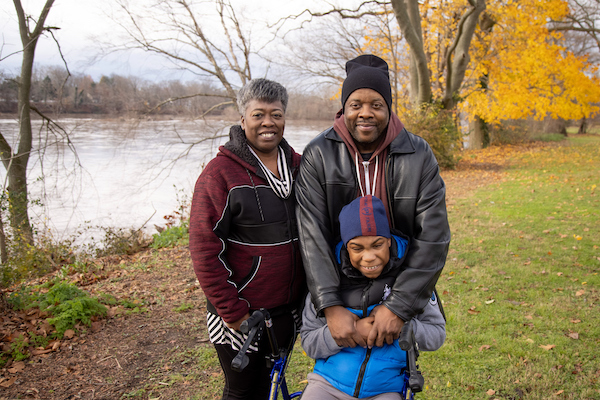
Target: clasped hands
[{"x": 348, "y": 330}]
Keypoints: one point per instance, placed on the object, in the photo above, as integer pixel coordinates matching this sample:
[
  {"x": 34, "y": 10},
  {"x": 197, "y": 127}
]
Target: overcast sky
[{"x": 83, "y": 22}]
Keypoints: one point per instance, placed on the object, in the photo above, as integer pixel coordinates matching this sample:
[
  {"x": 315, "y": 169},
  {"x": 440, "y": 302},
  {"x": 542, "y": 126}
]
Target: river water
[{"x": 121, "y": 173}]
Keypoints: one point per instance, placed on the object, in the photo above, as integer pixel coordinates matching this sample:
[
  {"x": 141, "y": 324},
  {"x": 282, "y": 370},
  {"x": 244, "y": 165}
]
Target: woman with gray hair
[{"x": 244, "y": 238}]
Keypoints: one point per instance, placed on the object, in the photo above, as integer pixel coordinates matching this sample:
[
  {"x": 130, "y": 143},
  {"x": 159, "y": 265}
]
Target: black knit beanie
[{"x": 367, "y": 72}]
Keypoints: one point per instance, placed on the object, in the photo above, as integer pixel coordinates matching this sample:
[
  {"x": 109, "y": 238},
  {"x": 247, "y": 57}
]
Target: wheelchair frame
[{"x": 279, "y": 358}]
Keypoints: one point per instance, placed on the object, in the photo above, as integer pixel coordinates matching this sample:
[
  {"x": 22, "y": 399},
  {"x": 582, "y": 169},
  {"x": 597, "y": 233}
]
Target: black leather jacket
[{"x": 416, "y": 194}]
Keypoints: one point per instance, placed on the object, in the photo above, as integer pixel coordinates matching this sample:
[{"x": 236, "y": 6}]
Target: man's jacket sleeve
[
  {"x": 314, "y": 226},
  {"x": 428, "y": 247},
  {"x": 316, "y": 338}
]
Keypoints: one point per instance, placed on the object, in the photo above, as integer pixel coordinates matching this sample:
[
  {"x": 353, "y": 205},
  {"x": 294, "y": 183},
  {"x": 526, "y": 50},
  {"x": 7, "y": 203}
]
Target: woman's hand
[{"x": 236, "y": 325}]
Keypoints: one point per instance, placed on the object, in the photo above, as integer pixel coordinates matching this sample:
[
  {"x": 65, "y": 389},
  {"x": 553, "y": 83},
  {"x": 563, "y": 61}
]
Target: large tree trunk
[
  {"x": 458, "y": 57},
  {"x": 16, "y": 164},
  {"x": 409, "y": 20}
]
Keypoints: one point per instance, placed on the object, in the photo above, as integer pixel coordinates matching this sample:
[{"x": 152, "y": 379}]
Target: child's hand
[
  {"x": 363, "y": 326},
  {"x": 341, "y": 325},
  {"x": 386, "y": 328}
]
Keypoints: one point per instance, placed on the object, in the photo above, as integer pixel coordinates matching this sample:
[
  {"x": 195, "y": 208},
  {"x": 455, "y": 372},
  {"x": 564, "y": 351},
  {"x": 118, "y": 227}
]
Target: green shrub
[
  {"x": 121, "y": 241},
  {"x": 19, "y": 348},
  {"x": 67, "y": 304},
  {"x": 175, "y": 235},
  {"x": 509, "y": 132},
  {"x": 26, "y": 260},
  {"x": 80, "y": 309},
  {"x": 438, "y": 128}
]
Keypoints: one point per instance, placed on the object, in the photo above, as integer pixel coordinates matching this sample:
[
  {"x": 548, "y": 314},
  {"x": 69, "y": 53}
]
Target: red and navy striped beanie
[{"x": 364, "y": 216}]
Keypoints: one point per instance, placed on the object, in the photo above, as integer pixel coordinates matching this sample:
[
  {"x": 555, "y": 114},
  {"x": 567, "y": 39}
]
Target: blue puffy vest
[{"x": 357, "y": 371}]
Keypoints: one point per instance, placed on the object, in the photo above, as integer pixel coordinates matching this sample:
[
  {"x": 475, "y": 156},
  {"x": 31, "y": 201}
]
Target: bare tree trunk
[
  {"x": 556, "y": 125},
  {"x": 583, "y": 126},
  {"x": 409, "y": 20},
  {"x": 3, "y": 249},
  {"x": 457, "y": 58},
  {"x": 16, "y": 164},
  {"x": 479, "y": 137}
]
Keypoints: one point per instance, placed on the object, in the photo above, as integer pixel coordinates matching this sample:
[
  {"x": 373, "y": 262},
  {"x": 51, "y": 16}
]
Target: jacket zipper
[
  {"x": 364, "y": 300},
  {"x": 365, "y": 165},
  {"x": 361, "y": 374},
  {"x": 293, "y": 260},
  {"x": 387, "y": 187}
]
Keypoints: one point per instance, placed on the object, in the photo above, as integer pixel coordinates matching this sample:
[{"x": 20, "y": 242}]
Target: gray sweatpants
[{"x": 319, "y": 389}]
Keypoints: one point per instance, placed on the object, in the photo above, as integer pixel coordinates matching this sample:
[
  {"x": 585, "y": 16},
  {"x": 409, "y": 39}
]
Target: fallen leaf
[
  {"x": 69, "y": 333},
  {"x": 484, "y": 347},
  {"x": 547, "y": 346},
  {"x": 559, "y": 392},
  {"x": 575, "y": 321},
  {"x": 37, "y": 352},
  {"x": 491, "y": 392},
  {"x": 489, "y": 301},
  {"x": 529, "y": 316},
  {"x": 8, "y": 383},
  {"x": 17, "y": 367},
  {"x": 580, "y": 293},
  {"x": 574, "y": 335}
]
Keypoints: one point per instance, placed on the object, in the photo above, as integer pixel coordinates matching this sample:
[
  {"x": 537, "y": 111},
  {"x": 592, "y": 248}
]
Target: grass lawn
[{"x": 521, "y": 284}]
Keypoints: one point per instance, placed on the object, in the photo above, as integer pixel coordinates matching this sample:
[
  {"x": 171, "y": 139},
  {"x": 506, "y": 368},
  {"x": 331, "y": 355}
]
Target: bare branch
[{"x": 172, "y": 99}]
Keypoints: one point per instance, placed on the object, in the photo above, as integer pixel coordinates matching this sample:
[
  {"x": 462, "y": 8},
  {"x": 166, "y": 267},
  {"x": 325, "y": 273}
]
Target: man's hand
[
  {"x": 236, "y": 325},
  {"x": 364, "y": 326},
  {"x": 341, "y": 325},
  {"x": 386, "y": 328}
]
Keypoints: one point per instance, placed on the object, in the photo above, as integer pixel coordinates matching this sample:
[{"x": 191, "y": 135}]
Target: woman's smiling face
[{"x": 264, "y": 123}]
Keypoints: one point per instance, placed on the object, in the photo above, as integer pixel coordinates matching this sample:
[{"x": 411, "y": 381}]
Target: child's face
[{"x": 369, "y": 254}]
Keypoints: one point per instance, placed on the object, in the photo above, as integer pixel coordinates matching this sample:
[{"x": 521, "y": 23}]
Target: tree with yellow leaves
[{"x": 523, "y": 69}]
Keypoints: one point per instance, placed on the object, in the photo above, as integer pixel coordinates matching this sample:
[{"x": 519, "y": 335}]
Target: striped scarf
[{"x": 282, "y": 187}]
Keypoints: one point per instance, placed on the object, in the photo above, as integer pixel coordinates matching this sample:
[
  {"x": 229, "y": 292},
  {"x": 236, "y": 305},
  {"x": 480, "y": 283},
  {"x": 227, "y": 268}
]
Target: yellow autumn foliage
[
  {"x": 527, "y": 68},
  {"x": 529, "y": 71}
]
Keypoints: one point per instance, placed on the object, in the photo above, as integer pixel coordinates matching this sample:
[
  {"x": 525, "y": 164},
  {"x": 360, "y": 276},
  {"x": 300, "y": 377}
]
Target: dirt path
[{"x": 155, "y": 353}]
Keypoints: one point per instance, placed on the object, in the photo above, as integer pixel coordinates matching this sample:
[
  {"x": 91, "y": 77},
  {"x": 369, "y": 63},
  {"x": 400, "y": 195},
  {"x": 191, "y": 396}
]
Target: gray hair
[{"x": 263, "y": 90}]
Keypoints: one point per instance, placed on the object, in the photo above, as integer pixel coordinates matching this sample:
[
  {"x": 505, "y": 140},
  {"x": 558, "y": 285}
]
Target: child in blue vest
[{"x": 369, "y": 257}]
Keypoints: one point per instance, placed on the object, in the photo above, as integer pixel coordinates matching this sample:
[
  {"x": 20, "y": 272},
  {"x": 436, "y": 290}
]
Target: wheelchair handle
[
  {"x": 255, "y": 319},
  {"x": 407, "y": 338}
]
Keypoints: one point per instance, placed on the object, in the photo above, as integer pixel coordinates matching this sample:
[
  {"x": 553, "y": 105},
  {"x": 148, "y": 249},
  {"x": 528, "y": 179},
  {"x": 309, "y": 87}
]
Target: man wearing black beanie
[{"x": 368, "y": 151}]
